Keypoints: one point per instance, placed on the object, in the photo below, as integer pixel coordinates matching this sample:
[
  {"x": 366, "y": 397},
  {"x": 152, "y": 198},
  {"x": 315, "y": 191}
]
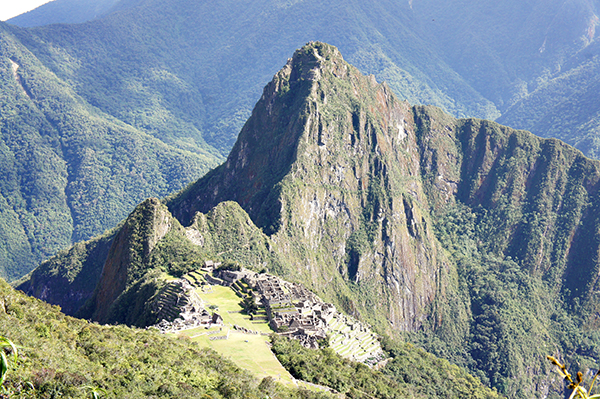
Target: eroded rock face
[
  {"x": 328, "y": 165},
  {"x": 147, "y": 225},
  {"x": 350, "y": 195}
]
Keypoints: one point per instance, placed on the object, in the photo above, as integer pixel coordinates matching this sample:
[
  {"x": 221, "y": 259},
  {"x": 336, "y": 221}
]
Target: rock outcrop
[{"x": 142, "y": 230}]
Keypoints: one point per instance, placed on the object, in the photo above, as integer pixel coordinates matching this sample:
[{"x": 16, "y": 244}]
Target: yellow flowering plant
[{"x": 578, "y": 390}]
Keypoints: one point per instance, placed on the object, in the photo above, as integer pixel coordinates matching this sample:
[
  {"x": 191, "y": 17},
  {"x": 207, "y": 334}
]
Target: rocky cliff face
[
  {"x": 328, "y": 165},
  {"x": 128, "y": 254},
  {"x": 540, "y": 196},
  {"x": 69, "y": 278}
]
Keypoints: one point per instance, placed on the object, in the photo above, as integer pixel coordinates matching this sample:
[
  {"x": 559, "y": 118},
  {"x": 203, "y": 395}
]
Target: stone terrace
[{"x": 291, "y": 309}]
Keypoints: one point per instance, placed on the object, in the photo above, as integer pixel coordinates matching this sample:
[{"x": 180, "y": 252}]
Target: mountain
[
  {"x": 320, "y": 165},
  {"x": 70, "y": 171},
  {"x": 183, "y": 75},
  {"x": 455, "y": 228},
  {"x": 564, "y": 106},
  {"x": 469, "y": 238}
]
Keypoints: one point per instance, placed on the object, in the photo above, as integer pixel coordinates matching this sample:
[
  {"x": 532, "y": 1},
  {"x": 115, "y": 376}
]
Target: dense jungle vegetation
[{"x": 409, "y": 372}]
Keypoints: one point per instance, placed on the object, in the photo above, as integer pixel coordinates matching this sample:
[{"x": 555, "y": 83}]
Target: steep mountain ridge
[
  {"x": 528, "y": 185},
  {"x": 468, "y": 237},
  {"x": 142, "y": 231}
]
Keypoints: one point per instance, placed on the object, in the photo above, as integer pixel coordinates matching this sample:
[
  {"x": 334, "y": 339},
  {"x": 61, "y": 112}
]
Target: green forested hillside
[
  {"x": 148, "y": 97},
  {"x": 69, "y": 171},
  {"x": 474, "y": 240},
  {"x": 565, "y": 106},
  {"x": 409, "y": 372}
]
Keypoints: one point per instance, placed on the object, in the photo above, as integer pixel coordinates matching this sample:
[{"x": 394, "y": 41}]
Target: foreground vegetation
[
  {"x": 59, "y": 355},
  {"x": 410, "y": 372}
]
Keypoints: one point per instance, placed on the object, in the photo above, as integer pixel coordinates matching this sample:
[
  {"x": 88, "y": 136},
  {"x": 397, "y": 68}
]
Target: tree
[{"x": 249, "y": 305}]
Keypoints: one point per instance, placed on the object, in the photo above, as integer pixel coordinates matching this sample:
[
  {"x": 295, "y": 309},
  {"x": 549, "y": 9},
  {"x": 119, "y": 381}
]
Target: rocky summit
[
  {"x": 477, "y": 241},
  {"x": 328, "y": 166}
]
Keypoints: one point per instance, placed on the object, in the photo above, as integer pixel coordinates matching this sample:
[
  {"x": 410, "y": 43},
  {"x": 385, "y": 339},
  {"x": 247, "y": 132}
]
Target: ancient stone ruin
[
  {"x": 178, "y": 307},
  {"x": 291, "y": 311}
]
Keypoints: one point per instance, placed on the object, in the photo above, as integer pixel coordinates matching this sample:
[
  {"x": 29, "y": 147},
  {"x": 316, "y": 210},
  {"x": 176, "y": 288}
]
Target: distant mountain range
[{"x": 64, "y": 12}]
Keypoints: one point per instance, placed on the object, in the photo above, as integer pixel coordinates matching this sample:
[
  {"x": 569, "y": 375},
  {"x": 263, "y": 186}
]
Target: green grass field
[
  {"x": 252, "y": 353},
  {"x": 229, "y": 307},
  {"x": 249, "y": 351}
]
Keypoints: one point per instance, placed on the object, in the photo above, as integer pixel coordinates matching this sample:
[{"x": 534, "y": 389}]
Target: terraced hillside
[
  {"x": 347, "y": 336},
  {"x": 61, "y": 356}
]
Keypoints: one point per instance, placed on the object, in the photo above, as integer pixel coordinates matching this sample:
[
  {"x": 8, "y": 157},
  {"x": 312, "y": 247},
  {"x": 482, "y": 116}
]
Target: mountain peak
[
  {"x": 314, "y": 82},
  {"x": 309, "y": 60},
  {"x": 309, "y": 64},
  {"x": 320, "y": 160}
]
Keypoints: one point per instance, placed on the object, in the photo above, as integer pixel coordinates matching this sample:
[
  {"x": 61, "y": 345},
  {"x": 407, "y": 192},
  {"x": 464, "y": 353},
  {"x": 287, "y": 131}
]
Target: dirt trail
[{"x": 15, "y": 68}]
